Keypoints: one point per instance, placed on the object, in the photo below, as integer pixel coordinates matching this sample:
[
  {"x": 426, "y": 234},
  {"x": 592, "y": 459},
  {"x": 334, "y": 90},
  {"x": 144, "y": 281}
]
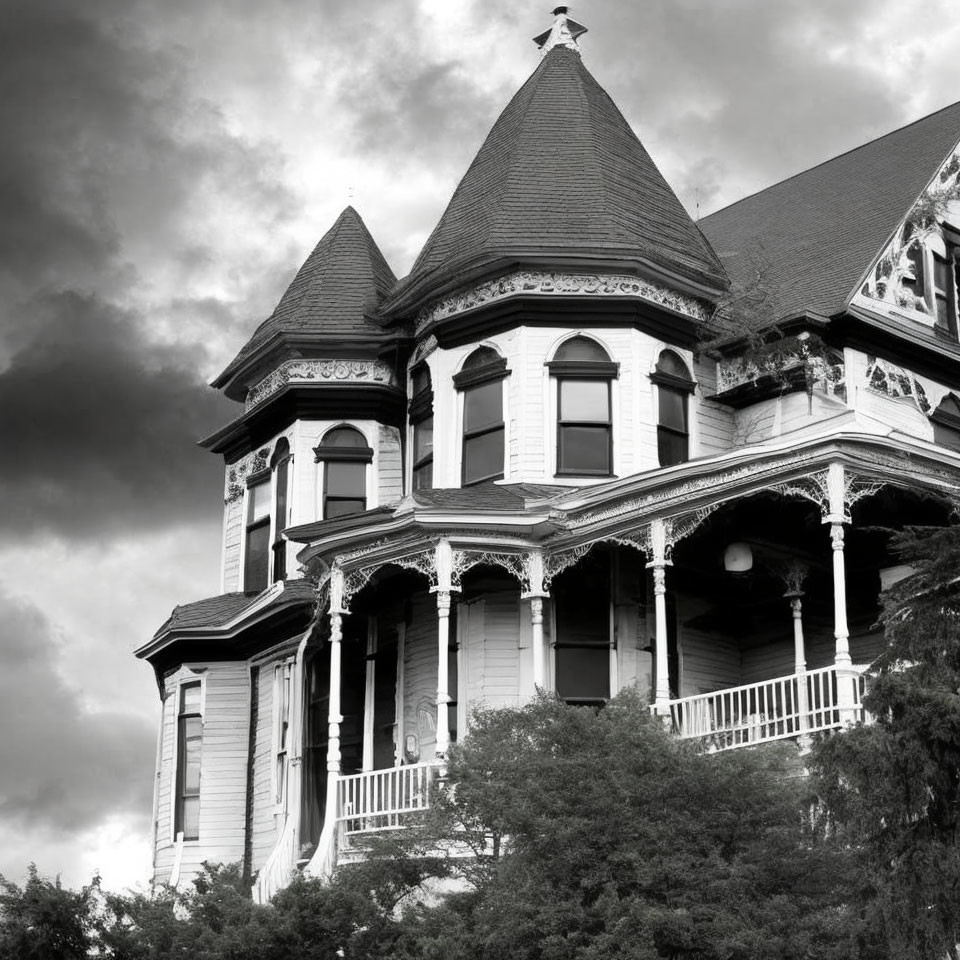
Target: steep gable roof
[
  {"x": 561, "y": 175},
  {"x": 332, "y": 296},
  {"x": 814, "y": 235}
]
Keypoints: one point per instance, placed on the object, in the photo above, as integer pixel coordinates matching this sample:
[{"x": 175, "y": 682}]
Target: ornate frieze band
[
  {"x": 544, "y": 284},
  {"x": 320, "y": 371},
  {"x": 251, "y": 464}
]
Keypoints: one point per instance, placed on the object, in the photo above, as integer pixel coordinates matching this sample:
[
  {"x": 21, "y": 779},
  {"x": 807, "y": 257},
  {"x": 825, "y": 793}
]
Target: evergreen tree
[{"x": 891, "y": 788}]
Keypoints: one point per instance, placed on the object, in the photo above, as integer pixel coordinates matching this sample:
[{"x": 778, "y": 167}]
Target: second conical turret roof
[{"x": 560, "y": 176}]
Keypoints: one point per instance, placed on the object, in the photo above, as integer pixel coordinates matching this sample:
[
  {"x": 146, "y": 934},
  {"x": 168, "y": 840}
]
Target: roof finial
[{"x": 563, "y": 33}]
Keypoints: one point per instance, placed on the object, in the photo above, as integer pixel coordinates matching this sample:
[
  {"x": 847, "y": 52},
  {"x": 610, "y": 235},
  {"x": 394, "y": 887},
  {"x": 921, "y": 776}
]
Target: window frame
[
  {"x": 179, "y": 794},
  {"x": 261, "y": 479},
  {"x": 280, "y": 467},
  {"x": 940, "y": 246},
  {"x": 419, "y": 412},
  {"x": 327, "y": 453},
  {"x": 470, "y": 378},
  {"x": 685, "y": 387},
  {"x": 571, "y": 371},
  {"x": 283, "y": 678}
]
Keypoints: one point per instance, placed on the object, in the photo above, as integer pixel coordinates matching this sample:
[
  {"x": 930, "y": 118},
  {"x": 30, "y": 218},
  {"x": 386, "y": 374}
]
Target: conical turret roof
[
  {"x": 331, "y": 298},
  {"x": 561, "y": 177}
]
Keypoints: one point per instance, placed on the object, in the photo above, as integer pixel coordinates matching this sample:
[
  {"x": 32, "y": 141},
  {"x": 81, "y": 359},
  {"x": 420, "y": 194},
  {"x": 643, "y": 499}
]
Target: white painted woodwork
[
  {"x": 223, "y": 770},
  {"x": 379, "y": 799},
  {"x": 420, "y": 676},
  {"x": 788, "y": 706},
  {"x": 714, "y": 421},
  {"x": 232, "y": 544},
  {"x": 264, "y": 822}
]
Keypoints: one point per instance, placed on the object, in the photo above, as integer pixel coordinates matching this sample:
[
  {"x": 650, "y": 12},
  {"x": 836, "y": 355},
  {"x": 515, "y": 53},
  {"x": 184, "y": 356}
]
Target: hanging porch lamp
[{"x": 738, "y": 558}]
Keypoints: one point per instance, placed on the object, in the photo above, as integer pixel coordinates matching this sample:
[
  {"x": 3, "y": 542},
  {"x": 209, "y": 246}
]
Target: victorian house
[{"x": 549, "y": 458}]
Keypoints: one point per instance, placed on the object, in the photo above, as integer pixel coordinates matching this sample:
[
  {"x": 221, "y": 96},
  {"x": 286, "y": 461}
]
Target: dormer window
[
  {"x": 481, "y": 383},
  {"x": 933, "y": 276},
  {"x": 946, "y": 423},
  {"x": 421, "y": 423},
  {"x": 344, "y": 454},
  {"x": 674, "y": 386},
  {"x": 583, "y": 372}
]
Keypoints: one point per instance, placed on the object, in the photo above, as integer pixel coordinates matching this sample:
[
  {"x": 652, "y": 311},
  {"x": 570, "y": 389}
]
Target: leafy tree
[
  {"x": 597, "y": 834},
  {"x": 44, "y": 921},
  {"x": 892, "y": 788}
]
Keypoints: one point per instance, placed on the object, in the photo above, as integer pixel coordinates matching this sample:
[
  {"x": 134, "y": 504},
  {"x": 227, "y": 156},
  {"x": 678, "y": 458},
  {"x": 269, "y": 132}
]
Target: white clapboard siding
[
  {"x": 501, "y": 655},
  {"x": 901, "y": 413},
  {"x": 772, "y": 659},
  {"x": 264, "y": 822},
  {"x": 223, "y": 772},
  {"x": 232, "y": 536},
  {"x": 709, "y": 661},
  {"x": 420, "y": 674},
  {"x": 714, "y": 421},
  {"x": 390, "y": 465}
]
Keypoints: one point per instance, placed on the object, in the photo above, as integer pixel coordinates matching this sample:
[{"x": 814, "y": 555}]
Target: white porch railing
[
  {"x": 775, "y": 709},
  {"x": 379, "y": 800}
]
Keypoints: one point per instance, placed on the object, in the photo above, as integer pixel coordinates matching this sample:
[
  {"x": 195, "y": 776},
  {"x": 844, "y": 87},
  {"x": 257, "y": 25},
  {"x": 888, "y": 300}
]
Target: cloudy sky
[{"x": 166, "y": 167}]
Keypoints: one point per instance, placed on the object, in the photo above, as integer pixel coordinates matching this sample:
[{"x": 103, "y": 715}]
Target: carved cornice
[
  {"x": 320, "y": 371},
  {"x": 528, "y": 283}
]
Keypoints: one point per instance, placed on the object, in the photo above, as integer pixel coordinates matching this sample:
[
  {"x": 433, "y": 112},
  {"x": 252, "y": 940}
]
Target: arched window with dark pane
[
  {"x": 280, "y": 464},
  {"x": 584, "y": 373},
  {"x": 421, "y": 423},
  {"x": 480, "y": 381},
  {"x": 946, "y": 423},
  {"x": 344, "y": 453},
  {"x": 674, "y": 386}
]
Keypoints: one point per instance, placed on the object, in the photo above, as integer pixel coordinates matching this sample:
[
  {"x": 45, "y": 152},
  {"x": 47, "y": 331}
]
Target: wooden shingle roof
[
  {"x": 561, "y": 176},
  {"x": 332, "y": 296},
  {"x": 813, "y": 236}
]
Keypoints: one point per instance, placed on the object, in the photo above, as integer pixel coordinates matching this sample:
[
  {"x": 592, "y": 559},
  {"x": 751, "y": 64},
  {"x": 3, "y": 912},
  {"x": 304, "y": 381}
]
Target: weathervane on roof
[{"x": 563, "y": 33}]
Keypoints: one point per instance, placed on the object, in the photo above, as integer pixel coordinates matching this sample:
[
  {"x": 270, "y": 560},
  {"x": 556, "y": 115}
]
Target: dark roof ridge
[{"x": 835, "y": 157}]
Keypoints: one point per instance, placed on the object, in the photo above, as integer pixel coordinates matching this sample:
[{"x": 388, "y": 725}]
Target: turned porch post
[
  {"x": 658, "y": 563},
  {"x": 536, "y": 595},
  {"x": 444, "y": 562},
  {"x": 368, "y": 695},
  {"x": 334, "y": 719},
  {"x": 836, "y": 517},
  {"x": 800, "y": 665}
]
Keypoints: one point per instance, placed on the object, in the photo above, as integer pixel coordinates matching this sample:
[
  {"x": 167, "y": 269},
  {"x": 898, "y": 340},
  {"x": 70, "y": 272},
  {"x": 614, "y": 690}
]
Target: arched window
[
  {"x": 481, "y": 383},
  {"x": 946, "y": 423},
  {"x": 583, "y": 371},
  {"x": 674, "y": 386},
  {"x": 280, "y": 464},
  {"x": 344, "y": 453},
  {"x": 421, "y": 422}
]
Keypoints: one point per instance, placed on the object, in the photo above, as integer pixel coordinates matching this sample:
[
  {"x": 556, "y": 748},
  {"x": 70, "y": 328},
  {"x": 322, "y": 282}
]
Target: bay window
[
  {"x": 584, "y": 374},
  {"x": 281, "y": 468},
  {"x": 256, "y": 557},
  {"x": 344, "y": 453},
  {"x": 481, "y": 384},
  {"x": 421, "y": 421},
  {"x": 674, "y": 386}
]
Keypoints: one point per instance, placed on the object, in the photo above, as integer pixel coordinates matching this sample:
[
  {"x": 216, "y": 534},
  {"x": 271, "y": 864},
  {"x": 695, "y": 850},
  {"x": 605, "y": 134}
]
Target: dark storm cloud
[
  {"x": 63, "y": 769},
  {"x": 105, "y": 171},
  {"x": 98, "y": 432}
]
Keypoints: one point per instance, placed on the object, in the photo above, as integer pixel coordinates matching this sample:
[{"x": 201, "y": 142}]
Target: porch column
[
  {"x": 368, "y": 691},
  {"x": 334, "y": 719},
  {"x": 444, "y": 562},
  {"x": 658, "y": 563},
  {"x": 841, "y": 660},
  {"x": 800, "y": 666},
  {"x": 536, "y": 595}
]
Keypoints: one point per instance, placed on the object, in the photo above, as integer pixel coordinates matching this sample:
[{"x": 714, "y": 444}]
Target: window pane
[
  {"x": 583, "y": 672},
  {"x": 585, "y": 400},
  {"x": 343, "y": 437},
  {"x": 190, "y": 817},
  {"x": 423, "y": 476},
  {"x": 671, "y": 447},
  {"x": 482, "y": 406},
  {"x": 345, "y": 478},
  {"x": 343, "y": 508},
  {"x": 190, "y": 698},
  {"x": 670, "y": 364},
  {"x": 480, "y": 358},
  {"x": 281, "y": 512},
  {"x": 423, "y": 439},
  {"x": 581, "y": 348},
  {"x": 257, "y": 556},
  {"x": 673, "y": 409},
  {"x": 584, "y": 449},
  {"x": 483, "y": 456},
  {"x": 943, "y": 312},
  {"x": 941, "y": 272},
  {"x": 191, "y": 765},
  {"x": 258, "y": 502}
]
